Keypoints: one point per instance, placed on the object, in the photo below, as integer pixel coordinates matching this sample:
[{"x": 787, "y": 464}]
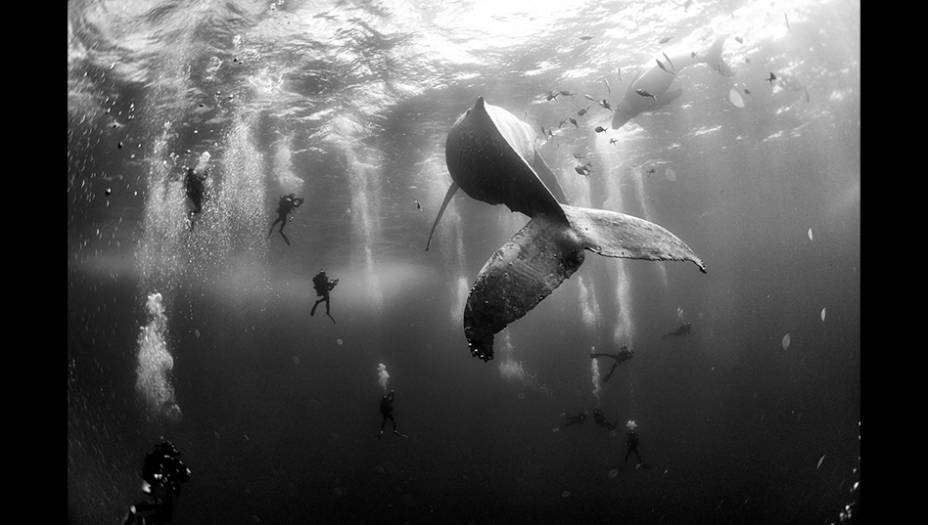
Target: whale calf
[
  {"x": 491, "y": 155},
  {"x": 657, "y": 81}
]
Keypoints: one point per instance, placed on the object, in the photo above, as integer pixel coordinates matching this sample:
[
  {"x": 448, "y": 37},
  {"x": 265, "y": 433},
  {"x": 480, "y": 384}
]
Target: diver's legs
[
  {"x": 272, "y": 227},
  {"x": 313, "y": 311},
  {"x": 611, "y": 371},
  {"x": 327, "y": 309},
  {"x": 283, "y": 222}
]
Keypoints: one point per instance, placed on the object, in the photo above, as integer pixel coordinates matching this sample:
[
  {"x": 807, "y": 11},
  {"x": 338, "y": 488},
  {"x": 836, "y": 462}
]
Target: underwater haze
[{"x": 199, "y": 330}]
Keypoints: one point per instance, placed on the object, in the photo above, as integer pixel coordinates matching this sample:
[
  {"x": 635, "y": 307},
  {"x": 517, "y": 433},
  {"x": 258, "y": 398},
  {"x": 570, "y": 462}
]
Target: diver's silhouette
[
  {"x": 631, "y": 442},
  {"x": 323, "y": 286},
  {"x": 287, "y": 204},
  {"x": 162, "y": 472},
  {"x": 195, "y": 191},
  {"x": 572, "y": 420},
  {"x": 386, "y": 412},
  {"x": 624, "y": 354},
  {"x": 600, "y": 419},
  {"x": 683, "y": 329}
]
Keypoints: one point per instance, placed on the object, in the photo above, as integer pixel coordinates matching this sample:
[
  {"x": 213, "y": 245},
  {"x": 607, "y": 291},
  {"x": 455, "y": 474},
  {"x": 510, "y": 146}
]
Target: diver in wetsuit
[
  {"x": 600, "y": 419},
  {"x": 162, "y": 473},
  {"x": 195, "y": 191},
  {"x": 624, "y": 354},
  {"x": 572, "y": 420},
  {"x": 323, "y": 286},
  {"x": 681, "y": 330},
  {"x": 386, "y": 412},
  {"x": 631, "y": 442},
  {"x": 287, "y": 204}
]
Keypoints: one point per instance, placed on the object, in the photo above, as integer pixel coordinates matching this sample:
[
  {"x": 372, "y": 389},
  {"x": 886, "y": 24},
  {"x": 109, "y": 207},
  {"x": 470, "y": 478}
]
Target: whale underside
[{"x": 491, "y": 156}]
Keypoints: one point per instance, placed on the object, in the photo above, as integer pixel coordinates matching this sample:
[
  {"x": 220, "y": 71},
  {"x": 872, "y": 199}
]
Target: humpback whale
[
  {"x": 491, "y": 155},
  {"x": 657, "y": 81}
]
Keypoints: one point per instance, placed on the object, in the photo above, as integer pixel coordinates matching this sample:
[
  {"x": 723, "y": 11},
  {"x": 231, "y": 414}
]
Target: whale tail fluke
[
  {"x": 525, "y": 270},
  {"x": 613, "y": 234},
  {"x": 544, "y": 253}
]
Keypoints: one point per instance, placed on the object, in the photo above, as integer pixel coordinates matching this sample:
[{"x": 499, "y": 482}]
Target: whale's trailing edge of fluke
[{"x": 491, "y": 156}]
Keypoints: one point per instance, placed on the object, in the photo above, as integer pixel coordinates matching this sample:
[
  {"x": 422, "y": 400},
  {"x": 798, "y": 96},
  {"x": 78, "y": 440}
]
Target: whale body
[
  {"x": 657, "y": 81},
  {"x": 491, "y": 155}
]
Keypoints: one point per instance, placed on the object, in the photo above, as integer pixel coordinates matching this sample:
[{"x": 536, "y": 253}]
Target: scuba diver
[
  {"x": 323, "y": 286},
  {"x": 288, "y": 203},
  {"x": 162, "y": 474},
  {"x": 572, "y": 420},
  {"x": 683, "y": 329},
  {"x": 195, "y": 191},
  {"x": 600, "y": 419},
  {"x": 624, "y": 354},
  {"x": 631, "y": 443},
  {"x": 386, "y": 412}
]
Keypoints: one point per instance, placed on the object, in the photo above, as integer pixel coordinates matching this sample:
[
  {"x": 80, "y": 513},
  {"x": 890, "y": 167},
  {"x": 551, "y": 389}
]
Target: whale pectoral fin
[
  {"x": 670, "y": 96},
  {"x": 548, "y": 178},
  {"x": 517, "y": 277},
  {"x": 444, "y": 204},
  {"x": 614, "y": 234}
]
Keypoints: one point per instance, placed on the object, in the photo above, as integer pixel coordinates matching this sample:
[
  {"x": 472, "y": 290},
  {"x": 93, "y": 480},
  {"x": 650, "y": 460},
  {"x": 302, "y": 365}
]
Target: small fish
[
  {"x": 669, "y": 61},
  {"x": 612, "y": 141},
  {"x": 552, "y": 95},
  {"x": 578, "y": 157},
  {"x": 567, "y": 93},
  {"x": 820, "y": 462},
  {"x": 738, "y": 39},
  {"x": 600, "y": 129},
  {"x": 607, "y": 86},
  {"x": 620, "y": 74},
  {"x": 651, "y": 171},
  {"x": 582, "y": 111},
  {"x": 591, "y": 99},
  {"x": 644, "y": 93},
  {"x": 662, "y": 67},
  {"x": 585, "y": 37},
  {"x": 747, "y": 60},
  {"x": 573, "y": 121},
  {"x": 693, "y": 54},
  {"x": 582, "y": 170},
  {"x": 664, "y": 40},
  {"x": 747, "y": 91},
  {"x": 787, "y": 21},
  {"x": 561, "y": 123},
  {"x": 418, "y": 206},
  {"x": 807, "y": 94},
  {"x": 604, "y": 103},
  {"x": 107, "y": 192},
  {"x": 119, "y": 145},
  {"x": 771, "y": 78}
]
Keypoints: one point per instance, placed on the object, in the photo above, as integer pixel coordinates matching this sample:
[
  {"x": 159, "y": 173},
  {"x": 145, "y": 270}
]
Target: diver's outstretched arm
[{"x": 614, "y": 356}]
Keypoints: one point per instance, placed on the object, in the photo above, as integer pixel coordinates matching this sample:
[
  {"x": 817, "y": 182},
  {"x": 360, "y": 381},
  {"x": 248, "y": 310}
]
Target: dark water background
[{"x": 348, "y": 105}]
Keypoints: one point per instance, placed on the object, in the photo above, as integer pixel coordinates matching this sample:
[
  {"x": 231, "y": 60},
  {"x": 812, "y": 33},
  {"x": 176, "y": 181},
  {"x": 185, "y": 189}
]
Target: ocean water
[{"x": 204, "y": 336}]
